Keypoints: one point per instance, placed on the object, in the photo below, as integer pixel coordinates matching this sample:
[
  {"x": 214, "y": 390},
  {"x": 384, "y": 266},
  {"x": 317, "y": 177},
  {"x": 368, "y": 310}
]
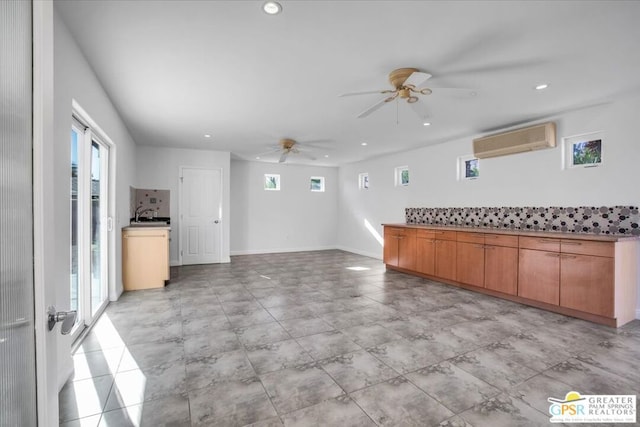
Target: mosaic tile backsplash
[{"x": 619, "y": 220}]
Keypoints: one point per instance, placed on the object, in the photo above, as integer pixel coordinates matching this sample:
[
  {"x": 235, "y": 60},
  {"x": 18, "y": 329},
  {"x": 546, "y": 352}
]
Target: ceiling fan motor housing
[{"x": 399, "y": 76}]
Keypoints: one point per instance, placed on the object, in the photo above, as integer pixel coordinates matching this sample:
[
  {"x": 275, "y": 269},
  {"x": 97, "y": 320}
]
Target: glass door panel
[
  {"x": 99, "y": 241},
  {"x": 75, "y": 291}
]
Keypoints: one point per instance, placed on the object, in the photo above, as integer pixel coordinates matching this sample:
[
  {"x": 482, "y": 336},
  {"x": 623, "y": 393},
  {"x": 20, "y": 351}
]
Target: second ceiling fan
[{"x": 407, "y": 84}]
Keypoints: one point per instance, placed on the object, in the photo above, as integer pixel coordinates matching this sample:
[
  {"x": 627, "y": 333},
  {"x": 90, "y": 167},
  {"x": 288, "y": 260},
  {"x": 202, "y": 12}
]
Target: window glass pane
[
  {"x": 74, "y": 221},
  {"x": 96, "y": 253}
]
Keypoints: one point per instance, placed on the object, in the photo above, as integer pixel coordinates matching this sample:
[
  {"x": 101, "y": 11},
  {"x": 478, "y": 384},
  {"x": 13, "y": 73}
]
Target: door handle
[
  {"x": 68, "y": 319},
  {"x": 216, "y": 221}
]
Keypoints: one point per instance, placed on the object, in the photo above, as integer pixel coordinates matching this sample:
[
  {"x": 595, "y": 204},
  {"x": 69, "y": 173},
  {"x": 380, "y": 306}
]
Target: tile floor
[{"x": 330, "y": 338}]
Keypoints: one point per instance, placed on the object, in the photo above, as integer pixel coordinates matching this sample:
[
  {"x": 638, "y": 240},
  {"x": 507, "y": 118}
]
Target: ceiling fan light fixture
[
  {"x": 272, "y": 7},
  {"x": 412, "y": 99}
]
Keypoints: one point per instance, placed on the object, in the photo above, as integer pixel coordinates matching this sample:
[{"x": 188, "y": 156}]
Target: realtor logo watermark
[{"x": 586, "y": 408}]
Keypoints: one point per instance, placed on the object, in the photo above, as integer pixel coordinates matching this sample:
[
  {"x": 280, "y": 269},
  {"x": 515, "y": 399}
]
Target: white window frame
[
  {"x": 568, "y": 144},
  {"x": 319, "y": 190},
  {"x": 398, "y": 176},
  {"x": 363, "y": 181},
  {"x": 276, "y": 180},
  {"x": 462, "y": 168}
]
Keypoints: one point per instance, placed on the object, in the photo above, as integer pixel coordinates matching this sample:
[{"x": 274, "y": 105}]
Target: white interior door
[{"x": 200, "y": 215}]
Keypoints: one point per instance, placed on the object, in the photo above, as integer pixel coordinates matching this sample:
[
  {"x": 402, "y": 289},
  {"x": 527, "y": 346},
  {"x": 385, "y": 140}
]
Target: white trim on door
[{"x": 43, "y": 130}]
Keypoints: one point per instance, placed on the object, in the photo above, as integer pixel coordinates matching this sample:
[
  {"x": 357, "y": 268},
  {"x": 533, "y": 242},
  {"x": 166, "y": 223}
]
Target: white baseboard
[
  {"x": 282, "y": 250},
  {"x": 359, "y": 252}
]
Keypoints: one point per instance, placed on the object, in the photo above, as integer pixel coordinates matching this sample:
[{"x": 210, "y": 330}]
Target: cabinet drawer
[
  {"x": 586, "y": 247},
  {"x": 540, "y": 243},
  {"x": 425, "y": 234},
  {"x": 501, "y": 240},
  {"x": 445, "y": 235},
  {"x": 470, "y": 237}
]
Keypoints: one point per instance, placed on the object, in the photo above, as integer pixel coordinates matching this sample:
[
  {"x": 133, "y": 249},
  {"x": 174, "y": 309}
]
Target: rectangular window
[
  {"x": 402, "y": 176},
  {"x": 317, "y": 183},
  {"x": 271, "y": 182},
  {"x": 468, "y": 168},
  {"x": 583, "y": 151},
  {"x": 363, "y": 181},
  {"x": 74, "y": 224}
]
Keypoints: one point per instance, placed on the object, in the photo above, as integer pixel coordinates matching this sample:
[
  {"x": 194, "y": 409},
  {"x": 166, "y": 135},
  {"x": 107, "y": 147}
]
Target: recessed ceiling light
[
  {"x": 542, "y": 86},
  {"x": 326, "y": 156},
  {"x": 363, "y": 144},
  {"x": 426, "y": 124},
  {"x": 272, "y": 7},
  {"x": 207, "y": 135},
  {"x": 258, "y": 158}
]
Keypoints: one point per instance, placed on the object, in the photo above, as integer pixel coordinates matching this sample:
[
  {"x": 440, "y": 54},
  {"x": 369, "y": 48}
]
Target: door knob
[
  {"x": 68, "y": 319},
  {"x": 216, "y": 221}
]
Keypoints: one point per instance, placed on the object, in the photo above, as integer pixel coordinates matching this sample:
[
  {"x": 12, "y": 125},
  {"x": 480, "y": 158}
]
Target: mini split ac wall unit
[{"x": 530, "y": 138}]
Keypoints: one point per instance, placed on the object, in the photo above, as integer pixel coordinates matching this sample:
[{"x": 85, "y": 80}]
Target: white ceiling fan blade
[
  {"x": 283, "y": 157},
  {"x": 307, "y": 155},
  {"x": 273, "y": 150},
  {"x": 420, "y": 109},
  {"x": 454, "y": 92},
  {"x": 368, "y": 92},
  {"x": 417, "y": 79},
  {"x": 373, "y": 108}
]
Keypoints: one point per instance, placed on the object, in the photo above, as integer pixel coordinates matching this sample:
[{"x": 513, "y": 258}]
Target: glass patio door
[{"x": 89, "y": 224}]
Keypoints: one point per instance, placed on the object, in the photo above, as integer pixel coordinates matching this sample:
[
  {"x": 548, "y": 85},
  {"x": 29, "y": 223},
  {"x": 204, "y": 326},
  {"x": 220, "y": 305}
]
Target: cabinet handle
[
  {"x": 571, "y": 243},
  {"x": 493, "y": 236},
  {"x": 567, "y": 256},
  {"x": 553, "y": 255}
]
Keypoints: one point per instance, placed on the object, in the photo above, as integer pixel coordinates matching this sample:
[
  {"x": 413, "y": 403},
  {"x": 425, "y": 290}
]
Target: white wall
[
  {"x": 292, "y": 219},
  {"x": 159, "y": 168},
  {"x": 74, "y": 79},
  {"x": 527, "y": 179}
]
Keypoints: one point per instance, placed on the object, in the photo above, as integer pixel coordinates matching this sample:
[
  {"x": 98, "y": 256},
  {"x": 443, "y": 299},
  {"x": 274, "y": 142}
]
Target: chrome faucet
[{"x": 140, "y": 212}]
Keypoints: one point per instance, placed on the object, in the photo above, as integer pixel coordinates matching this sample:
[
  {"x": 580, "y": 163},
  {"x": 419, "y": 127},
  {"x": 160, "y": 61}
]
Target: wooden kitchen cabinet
[
  {"x": 470, "y": 263},
  {"x": 589, "y": 277},
  {"x": 587, "y": 281},
  {"x": 501, "y": 263},
  {"x": 425, "y": 252},
  {"x": 539, "y": 276},
  {"x": 445, "y": 254},
  {"x": 400, "y": 247},
  {"x": 145, "y": 257}
]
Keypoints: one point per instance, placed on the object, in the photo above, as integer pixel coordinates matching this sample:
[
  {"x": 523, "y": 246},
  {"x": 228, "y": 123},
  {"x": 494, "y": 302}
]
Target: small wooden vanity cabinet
[
  {"x": 145, "y": 257},
  {"x": 590, "y": 277}
]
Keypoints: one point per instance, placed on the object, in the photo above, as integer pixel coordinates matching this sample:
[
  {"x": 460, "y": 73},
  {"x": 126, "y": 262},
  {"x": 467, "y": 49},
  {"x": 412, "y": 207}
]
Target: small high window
[
  {"x": 317, "y": 183},
  {"x": 363, "y": 181},
  {"x": 402, "y": 176},
  {"x": 271, "y": 182}
]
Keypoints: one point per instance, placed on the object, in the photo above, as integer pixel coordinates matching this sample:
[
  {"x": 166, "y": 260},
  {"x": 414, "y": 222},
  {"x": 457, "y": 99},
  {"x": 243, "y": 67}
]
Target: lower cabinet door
[
  {"x": 586, "y": 283},
  {"x": 446, "y": 259},
  {"x": 470, "y": 263},
  {"x": 425, "y": 256},
  {"x": 501, "y": 269},
  {"x": 539, "y": 276}
]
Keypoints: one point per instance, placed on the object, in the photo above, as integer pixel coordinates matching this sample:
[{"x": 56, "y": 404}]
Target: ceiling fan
[
  {"x": 407, "y": 84},
  {"x": 288, "y": 146}
]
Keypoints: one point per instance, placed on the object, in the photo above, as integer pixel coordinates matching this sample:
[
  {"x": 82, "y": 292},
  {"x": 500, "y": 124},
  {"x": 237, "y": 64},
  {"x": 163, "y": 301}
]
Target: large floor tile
[
  {"x": 210, "y": 344},
  {"x": 305, "y": 326},
  {"x": 354, "y": 371},
  {"x": 295, "y": 388},
  {"x": 171, "y": 411},
  {"x": 504, "y": 411},
  {"x": 223, "y": 367},
  {"x": 232, "y": 403},
  {"x": 403, "y": 355},
  {"x": 327, "y": 344},
  {"x": 276, "y": 356},
  {"x": 341, "y": 411},
  {"x": 265, "y": 333},
  {"x": 398, "y": 402},
  {"x": 83, "y": 398},
  {"x": 456, "y": 389}
]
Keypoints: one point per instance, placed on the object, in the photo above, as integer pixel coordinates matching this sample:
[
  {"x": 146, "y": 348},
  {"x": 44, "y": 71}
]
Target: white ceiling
[{"x": 177, "y": 70}]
